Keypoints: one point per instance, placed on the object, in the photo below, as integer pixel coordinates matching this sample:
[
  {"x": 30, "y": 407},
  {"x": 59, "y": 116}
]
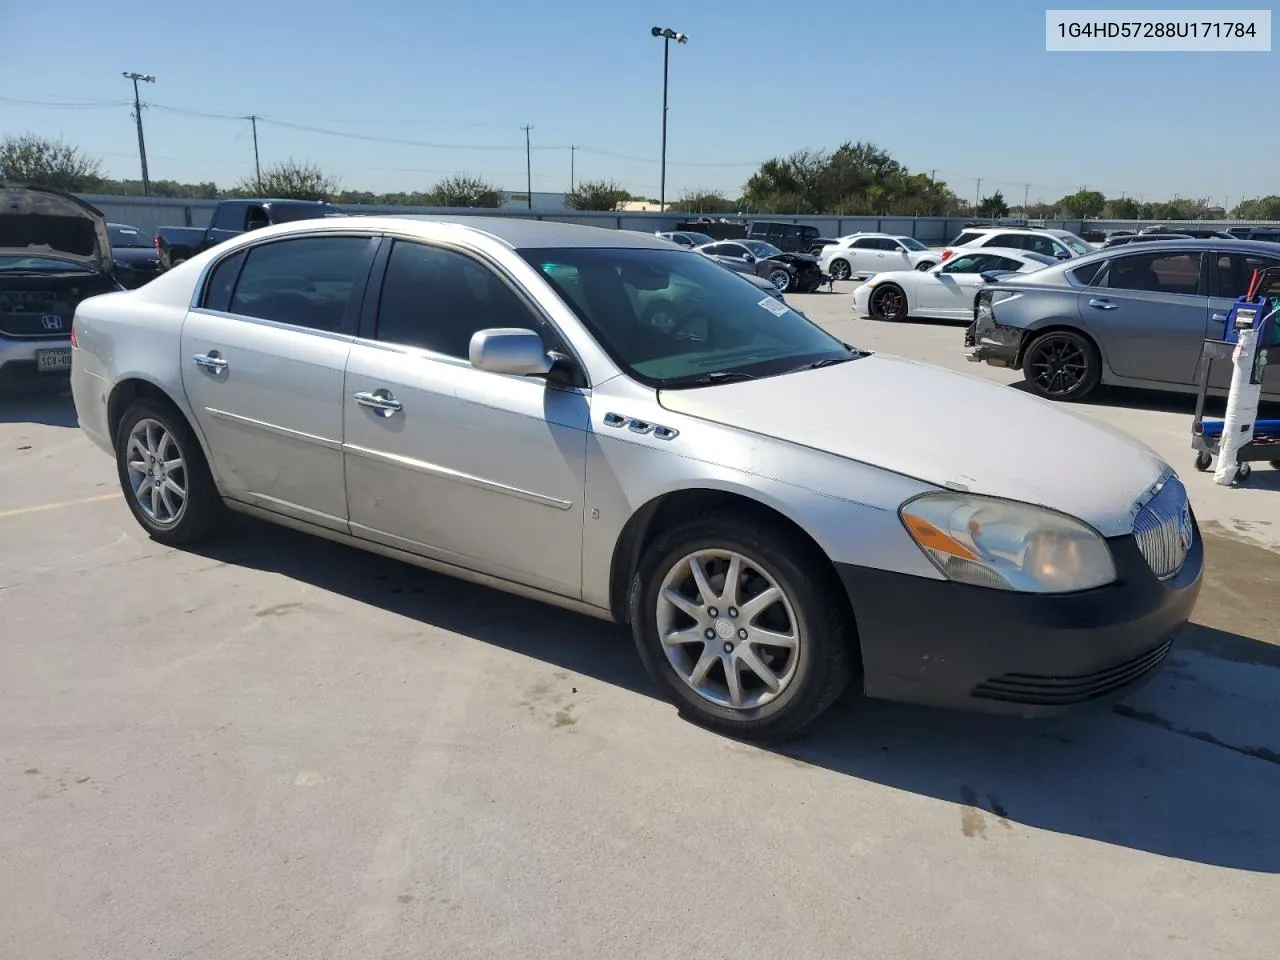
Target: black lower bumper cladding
[{"x": 953, "y": 645}]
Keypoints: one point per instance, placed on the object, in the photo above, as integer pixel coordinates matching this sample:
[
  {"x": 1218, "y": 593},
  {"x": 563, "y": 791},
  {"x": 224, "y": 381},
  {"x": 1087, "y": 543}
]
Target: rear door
[
  {"x": 1150, "y": 315},
  {"x": 1229, "y": 277},
  {"x": 263, "y": 361}
]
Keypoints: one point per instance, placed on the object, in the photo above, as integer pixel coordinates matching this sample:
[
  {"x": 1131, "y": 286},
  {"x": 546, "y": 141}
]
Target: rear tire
[
  {"x": 809, "y": 671},
  {"x": 779, "y": 278},
  {"x": 164, "y": 476},
  {"x": 924, "y": 265},
  {"x": 1062, "y": 365},
  {"x": 840, "y": 269}
]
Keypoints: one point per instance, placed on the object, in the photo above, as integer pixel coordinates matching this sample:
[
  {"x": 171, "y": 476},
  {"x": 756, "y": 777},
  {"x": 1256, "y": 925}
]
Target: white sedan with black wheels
[
  {"x": 944, "y": 292},
  {"x": 605, "y": 422}
]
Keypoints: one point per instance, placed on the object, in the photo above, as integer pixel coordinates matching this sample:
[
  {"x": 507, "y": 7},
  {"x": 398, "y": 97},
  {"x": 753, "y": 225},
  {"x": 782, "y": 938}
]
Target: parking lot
[{"x": 278, "y": 747}]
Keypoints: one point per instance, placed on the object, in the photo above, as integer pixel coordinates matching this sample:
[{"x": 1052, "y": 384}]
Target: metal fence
[{"x": 149, "y": 213}]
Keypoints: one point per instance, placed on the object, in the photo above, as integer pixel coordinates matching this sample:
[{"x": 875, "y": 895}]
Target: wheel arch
[
  {"x": 674, "y": 507},
  {"x": 1056, "y": 326},
  {"x": 137, "y": 387}
]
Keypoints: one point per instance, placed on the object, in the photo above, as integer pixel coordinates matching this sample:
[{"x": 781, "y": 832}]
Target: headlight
[{"x": 1007, "y": 545}]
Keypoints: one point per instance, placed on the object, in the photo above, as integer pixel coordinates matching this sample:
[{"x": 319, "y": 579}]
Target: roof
[{"x": 523, "y": 234}]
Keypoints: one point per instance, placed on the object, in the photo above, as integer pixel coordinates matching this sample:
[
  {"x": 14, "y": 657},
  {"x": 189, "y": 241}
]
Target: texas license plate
[{"x": 50, "y": 361}]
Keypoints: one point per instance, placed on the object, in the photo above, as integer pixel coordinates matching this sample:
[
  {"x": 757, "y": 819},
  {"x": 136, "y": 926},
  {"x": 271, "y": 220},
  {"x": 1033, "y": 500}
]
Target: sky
[{"x": 420, "y": 89}]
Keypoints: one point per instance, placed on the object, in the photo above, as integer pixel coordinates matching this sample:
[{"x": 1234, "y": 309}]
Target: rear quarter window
[
  {"x": 966, "y": 236},
  {"x": 1086, "y": 275}
]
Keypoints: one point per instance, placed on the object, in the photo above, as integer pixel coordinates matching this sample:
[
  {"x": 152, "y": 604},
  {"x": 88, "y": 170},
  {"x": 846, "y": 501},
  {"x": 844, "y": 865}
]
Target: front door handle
[
  {"x": 381, "y": 400},
  {"x": 1218, "y": 317},
  {"x": 1102, "y": 304},
  {"x": 210, "y": 361}
]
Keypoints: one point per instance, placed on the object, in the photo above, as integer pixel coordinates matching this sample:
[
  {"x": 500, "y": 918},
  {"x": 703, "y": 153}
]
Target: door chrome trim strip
[
  {"x": 445, "y": 473},
  {"x": 273, "y": 428}
]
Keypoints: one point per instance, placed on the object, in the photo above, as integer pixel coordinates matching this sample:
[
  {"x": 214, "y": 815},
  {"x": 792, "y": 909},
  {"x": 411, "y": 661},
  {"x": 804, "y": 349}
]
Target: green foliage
[
  {"x": 597, "y": 195},
  {"x": 1260, "y": 208},
  {"x": 40, "y": 161},
  {"x": 289, "y": 180},
  {"x": 993, "y": 206},
  {"x": 857, "y": 178},
  {"x": 1126, "y": 208},
  {"x": 462, "y": 191},
  {"x": 704, "y": 200},
  {"x": 1082, "y": 203}
]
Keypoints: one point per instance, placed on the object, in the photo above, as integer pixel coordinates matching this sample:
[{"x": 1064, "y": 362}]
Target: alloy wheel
[
  {"x": 1058, "y": 365},
  {"x": 780, "y": 279},
  {"x": 840, "y": 270},
  {"x": 889, "y": 303},
  {"x": 157, "y": 472},
  {"x": 728, "y": 629}
]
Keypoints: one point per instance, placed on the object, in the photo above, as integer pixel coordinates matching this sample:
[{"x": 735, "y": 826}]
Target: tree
[
  {"x": 704, "y": 200},
  {"x": 464, "y": 191},
  {"x": 1126, "y": 208},
  {"x": 1259, "y": 208},
  {"x": 993, "y": 206},
  {"x": 45, "y": 162},
  {"x": 1082, "y": 204},
  {"x": 597, "y": 195},
  {"x": 290, "y": 180},
  {"x": 1040, "y": 211}
]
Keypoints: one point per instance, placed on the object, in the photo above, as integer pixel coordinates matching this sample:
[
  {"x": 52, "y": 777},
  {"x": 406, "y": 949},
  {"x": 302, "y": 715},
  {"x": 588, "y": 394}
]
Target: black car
[
  {"x": 791, "y": 272},
  {"x": 1121, "y": 239},
  {"x": 134, "y": 255},
  {"x": 788, "y": 237}
]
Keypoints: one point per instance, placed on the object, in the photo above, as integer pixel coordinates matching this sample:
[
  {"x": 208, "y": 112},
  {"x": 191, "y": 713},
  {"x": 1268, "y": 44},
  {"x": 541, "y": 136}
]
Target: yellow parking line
[{"x": 57, "y": 506}]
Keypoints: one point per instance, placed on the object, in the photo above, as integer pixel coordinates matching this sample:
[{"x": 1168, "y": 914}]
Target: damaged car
[{"x": 54, "y": 252}]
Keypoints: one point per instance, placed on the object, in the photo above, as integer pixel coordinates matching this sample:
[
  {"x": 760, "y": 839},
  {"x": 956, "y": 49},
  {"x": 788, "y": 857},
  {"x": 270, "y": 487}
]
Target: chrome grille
[{"x": 1163, "y": 528}]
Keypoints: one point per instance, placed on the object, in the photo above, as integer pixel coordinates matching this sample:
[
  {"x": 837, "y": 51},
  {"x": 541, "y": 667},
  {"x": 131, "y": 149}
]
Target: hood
[
  {"x": 947, "y": 429},
  {"x": 795, "y": 258},
  {"x": 35, "y": 220}
]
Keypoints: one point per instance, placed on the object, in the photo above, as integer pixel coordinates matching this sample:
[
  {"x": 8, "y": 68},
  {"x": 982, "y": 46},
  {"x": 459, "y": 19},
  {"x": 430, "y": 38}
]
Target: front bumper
[
  {"x": 952, "y": 645},
  {"x": 862, "y": 300}
]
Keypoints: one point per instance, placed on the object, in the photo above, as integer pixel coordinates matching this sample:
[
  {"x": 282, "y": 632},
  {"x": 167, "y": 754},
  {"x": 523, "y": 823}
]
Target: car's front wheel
[
  {"x": 164, "y": 476},
  {"x": 739, "y": 625},
  {"x": 780, "y": 278},
  {"x": 840, "y": 269},
  {"x": 1062, "y": 365},
  {"x": 888, "y": 302}
]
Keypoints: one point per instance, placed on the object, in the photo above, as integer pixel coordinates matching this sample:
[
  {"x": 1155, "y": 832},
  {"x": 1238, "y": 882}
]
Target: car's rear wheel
[
  {"x": 840, "y": 269},
  {"x": 924, "y": 265},
  {"x": 739, "y": 625},
  {"x": 1062, "y": 365},
  {"x": 888, "y": 302},
  {"x": 779, "y": 278},
  {"x": 164, "y": 476}
]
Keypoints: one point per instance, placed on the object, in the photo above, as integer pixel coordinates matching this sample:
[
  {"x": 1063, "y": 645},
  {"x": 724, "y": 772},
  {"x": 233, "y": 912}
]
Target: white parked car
[
  {"x": 606, "y": 422},
  {"x": 945, "y": 292},
  {"x": 1062, "y": 244},
  {"x": 865, "y": 254}
]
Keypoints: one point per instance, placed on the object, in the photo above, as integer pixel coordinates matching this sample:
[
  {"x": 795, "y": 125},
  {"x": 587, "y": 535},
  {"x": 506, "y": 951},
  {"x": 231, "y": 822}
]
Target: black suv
[{"x": 788, "y": 237}]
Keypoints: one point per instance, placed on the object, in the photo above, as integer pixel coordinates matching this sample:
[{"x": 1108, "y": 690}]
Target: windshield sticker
[{"x": 776, "y": 307}]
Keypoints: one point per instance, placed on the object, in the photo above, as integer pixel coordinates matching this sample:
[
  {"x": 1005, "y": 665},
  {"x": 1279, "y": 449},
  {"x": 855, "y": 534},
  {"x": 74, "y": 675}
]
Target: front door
[
  {"x": 1150, "y": 315},
  {"x": 1229, "y": 277},
  {"x": 263, "y": 361},
  {"x": 473, "y": 468}
]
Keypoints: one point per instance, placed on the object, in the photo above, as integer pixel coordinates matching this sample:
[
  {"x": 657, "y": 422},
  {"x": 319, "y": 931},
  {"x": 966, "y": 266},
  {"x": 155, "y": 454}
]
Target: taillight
[
  {"x": 157, "y": 242},
  {"x": 74, "y": 342},
  {"x": 946, "y": 253}
]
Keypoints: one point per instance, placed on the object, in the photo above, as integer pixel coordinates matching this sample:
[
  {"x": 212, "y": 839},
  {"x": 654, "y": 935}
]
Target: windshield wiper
[
  {"x": 717, "y": 376},
  {"x": 829, "y": 362}
]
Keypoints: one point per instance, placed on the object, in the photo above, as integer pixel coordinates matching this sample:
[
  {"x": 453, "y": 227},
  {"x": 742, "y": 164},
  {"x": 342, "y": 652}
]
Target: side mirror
[
  {"x": 749, "y": 258},
  {"x": 1062, "y": 254},
  {"x": 509, "y": 350}
]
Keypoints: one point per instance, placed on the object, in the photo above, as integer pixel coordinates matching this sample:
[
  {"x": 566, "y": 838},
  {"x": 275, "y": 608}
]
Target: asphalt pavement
[{"x": 276, "y": 747}]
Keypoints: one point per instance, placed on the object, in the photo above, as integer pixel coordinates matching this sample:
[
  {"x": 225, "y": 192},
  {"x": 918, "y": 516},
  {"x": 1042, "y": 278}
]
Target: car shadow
[
  {"x": 1157, "y": 401},
  {"x": 55, "y": 410},
  {"x": 1187, "y": 767}
]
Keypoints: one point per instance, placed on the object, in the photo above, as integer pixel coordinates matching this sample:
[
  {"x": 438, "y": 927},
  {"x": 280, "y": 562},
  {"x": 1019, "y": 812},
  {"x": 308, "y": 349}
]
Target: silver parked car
[
  {"x": 1134, "y": 316},
  {"x": 606, "y": 422}
]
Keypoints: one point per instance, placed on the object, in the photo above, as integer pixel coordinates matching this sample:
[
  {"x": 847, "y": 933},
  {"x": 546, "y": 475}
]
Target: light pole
[
  {"x": 137, "y": 115},
  {"x": 667, "y": 35}
]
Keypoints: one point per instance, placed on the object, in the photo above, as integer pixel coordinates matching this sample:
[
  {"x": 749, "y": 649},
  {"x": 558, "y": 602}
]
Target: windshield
[
  {"x": 123, "y": 236},
  {"x": 911, "y": 243},
  {"x": 699, "y": 238},
  {"x": 1077, "y": 245},
  {"x": 761, "y": 249},
  {"x": 674, "y": 320},
  {"x": 42, "y": 265}
]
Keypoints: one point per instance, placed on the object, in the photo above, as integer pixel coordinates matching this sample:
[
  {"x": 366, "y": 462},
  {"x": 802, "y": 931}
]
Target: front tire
[
  {"x": 164, "y": 476},
  {"x": 1062, "y": 365},
  {"x": 840, "y": 269},
  {"x": 888, "y": 302},
  {"x": 738, "y": 623},
  {"x": 780, "y": 278}
]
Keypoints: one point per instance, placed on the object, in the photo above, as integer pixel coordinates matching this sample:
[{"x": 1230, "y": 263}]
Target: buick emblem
[
  {"x": 51, "y": 321},
  {"x": 1185, "y": 530}
]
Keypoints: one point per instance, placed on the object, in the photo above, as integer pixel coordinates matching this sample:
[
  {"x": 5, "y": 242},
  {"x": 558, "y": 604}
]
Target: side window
[
  {"x": 965, "y": 263},
  {"x": 228, "y": 216},
  {"x": 436, "y": 299},
  {"x": 1090, "y": 272},
  {"x": 1002, "y": 263},
  {"x": 809, "y": 233},
  {"x": 884, "y": 243},
  {"x": 864, "y": 243},
  {"x": 1231, "y": 273},
  {"x": 1010, "y": 241},
  {"x": 966, "y": 236},
  {"x": 1156, "y": 273},
  {"x": 255, "y": 218},
  {"x": 307, "y": 282},
  {"x": 217, "y": 291}
]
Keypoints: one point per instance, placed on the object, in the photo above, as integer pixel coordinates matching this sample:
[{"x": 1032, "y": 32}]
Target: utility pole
[
  {"x": 528, "y": 164},
  {"x": 572, "y": 151},
  {"x": 137, "y": 116},
  {"x": 667, "y": 35},
  {"x": 257, "y": 167},
  {"x": 1026, "y": 196},
  {"x": 977, "y": 195}
]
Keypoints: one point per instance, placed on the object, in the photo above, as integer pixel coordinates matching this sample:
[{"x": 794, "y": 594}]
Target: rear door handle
[
  {"x": 381, "y": 400},
  {"x": 210, "y": 361},
  {"x": 1102, "y": 304}
]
